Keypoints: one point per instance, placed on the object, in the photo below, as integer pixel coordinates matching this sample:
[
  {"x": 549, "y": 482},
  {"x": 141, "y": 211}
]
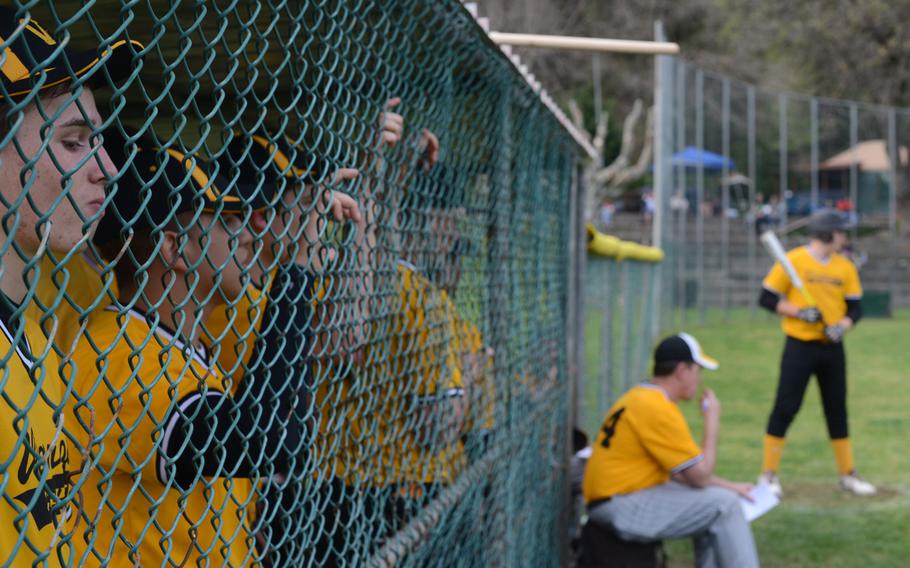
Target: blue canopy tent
[{"x": 692, "y": 157}]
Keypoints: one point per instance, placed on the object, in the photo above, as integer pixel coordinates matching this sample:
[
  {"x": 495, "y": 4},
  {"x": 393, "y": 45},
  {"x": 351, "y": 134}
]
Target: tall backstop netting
[{"x": 284, "y": 284}]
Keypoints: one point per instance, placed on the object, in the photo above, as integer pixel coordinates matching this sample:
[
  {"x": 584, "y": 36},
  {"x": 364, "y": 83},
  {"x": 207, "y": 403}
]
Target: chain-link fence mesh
[
  {"x": 223, "y": 345},
  {"x": 620, "y": 316}
]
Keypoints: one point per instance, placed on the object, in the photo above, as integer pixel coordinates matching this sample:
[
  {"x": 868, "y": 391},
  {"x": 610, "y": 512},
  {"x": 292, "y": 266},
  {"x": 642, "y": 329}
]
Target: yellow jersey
[
  {"x": 831, "y": 283},
  {"x": 643, "y": 441},
  {"x": 392, "y": 403},
  {"x": 68, "y": 294},
  {"x": 231, "y": 332},
  {"x": 131, "y": 380},
  {"x": 38, "y": 458}
]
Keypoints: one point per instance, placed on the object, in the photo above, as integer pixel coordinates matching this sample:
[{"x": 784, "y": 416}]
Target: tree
[{"x": 603, "y": 182}]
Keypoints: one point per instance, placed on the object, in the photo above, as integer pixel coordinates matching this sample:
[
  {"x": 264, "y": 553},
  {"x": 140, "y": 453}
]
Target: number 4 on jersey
[{"x": 610, "y": 426}]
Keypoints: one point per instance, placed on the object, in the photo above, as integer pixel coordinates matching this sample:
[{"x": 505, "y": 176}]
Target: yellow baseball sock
[
  {"x": 843, "y": 454},
  {"x": 774, "y": 447}
]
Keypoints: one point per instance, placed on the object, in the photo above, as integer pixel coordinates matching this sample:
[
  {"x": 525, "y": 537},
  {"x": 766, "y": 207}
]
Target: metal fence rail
[{"x": 223, "y": 346}]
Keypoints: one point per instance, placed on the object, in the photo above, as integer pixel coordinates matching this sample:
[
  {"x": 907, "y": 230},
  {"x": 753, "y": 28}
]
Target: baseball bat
[{"x": 776, "y": 250}]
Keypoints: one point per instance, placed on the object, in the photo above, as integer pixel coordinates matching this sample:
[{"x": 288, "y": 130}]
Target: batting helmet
[{"x": 827, "y": 221}]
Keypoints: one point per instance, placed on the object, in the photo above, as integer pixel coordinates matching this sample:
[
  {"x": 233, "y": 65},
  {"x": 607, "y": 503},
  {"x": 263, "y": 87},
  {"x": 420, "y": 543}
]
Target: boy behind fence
[
  {"x": 268, "y": 341},
  {"x": 171, "y": 451},
  {"x": 52, "y": 178}
]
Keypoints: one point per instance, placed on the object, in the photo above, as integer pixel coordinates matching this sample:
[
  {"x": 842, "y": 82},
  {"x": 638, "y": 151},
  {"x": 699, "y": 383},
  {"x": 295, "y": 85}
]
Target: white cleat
[
  {"x": 770, "y": 479},
  {"x": 855, "y": 484}
]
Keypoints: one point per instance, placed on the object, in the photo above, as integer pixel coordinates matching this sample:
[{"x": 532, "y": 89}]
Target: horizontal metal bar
[{"x": 586, "y": 43}]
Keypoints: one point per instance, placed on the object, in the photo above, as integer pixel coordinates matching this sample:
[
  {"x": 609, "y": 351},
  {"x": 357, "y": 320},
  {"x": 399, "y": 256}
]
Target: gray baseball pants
[{"x": 712, "y": 516}]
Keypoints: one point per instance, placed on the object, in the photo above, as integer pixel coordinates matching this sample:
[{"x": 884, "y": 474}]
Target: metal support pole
[
  {"x": 753, "y": 177},
  {"x": 893, "y": 163},
  {"x": 606, "y": 336},
  {"x": 576, "y": 337},
  {"x": 664, "y": 71},
  {"x": 644, "y": 285},
  {"x": 627, "y": 312},
  {"x": 585, "y": 43},
  {"x": 725, "y": 199},
  {"x": 784, "y": 168},
  {"x": 598, "y": 89},
  {"x": 680, "y": 242},
  {"x": 854, "y": 167},
  {"x": 813, "y": 134},
  {"x": 700, "y": 194}
]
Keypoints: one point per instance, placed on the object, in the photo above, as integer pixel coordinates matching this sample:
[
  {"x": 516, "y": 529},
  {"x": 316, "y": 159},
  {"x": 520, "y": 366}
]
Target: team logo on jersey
[
  {"x": 42, "y": 499},
  {"x": 818, "y": 278}
]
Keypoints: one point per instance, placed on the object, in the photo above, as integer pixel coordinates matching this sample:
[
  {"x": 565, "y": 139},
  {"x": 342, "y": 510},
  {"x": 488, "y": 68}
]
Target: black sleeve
[
  {"x": 855, "y": 310},
  {"x": 261, "y": 428},
  {"x": 768, "y": 300}
]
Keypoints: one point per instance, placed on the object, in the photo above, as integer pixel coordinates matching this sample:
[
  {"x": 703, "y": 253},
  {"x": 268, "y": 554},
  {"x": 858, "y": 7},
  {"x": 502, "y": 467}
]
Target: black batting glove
[
  {"x": 835, "y": 333},
  {"x": 809, "y": 315}
]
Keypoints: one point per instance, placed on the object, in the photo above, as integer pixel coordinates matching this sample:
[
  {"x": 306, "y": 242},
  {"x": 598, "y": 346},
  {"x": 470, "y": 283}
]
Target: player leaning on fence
[
  {"x": 172, "y": 455},
  {"x": 52, "y": 177},
  {"x": 814, "y": 343},
  {"x": 412, "y": 431},
  {"x": 648, "y": 480},
  {"x": 267, "y": 340}
]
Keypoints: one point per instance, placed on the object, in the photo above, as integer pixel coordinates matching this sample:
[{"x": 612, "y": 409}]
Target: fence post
[{"x": 663, "y": 175}]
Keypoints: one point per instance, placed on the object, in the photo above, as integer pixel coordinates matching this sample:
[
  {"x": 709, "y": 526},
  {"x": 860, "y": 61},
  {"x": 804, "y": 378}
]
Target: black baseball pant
[{"x": 801, "y": 360}]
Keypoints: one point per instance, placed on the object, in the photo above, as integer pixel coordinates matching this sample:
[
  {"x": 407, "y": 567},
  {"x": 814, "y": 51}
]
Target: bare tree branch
[{"x": 621, "y": 162}]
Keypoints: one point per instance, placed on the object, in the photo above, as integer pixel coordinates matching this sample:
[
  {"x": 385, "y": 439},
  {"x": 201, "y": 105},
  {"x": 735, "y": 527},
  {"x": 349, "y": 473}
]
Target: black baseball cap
[
  {"x": 30, "y": 52},
  {"x": 176, "y": 182},
  {"x": 828, "y": 220},
  {"x": 683, "y": 348},
  {"x": 250, "y": 159}
]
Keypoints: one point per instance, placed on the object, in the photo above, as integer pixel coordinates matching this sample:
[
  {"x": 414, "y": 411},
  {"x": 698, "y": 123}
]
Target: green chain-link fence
[
  {"x": 224, "y": 346},
  {"x": 621, "y": 283}
]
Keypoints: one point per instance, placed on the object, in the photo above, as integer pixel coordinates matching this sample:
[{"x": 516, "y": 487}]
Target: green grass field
[{"x": 817, "y": 524}]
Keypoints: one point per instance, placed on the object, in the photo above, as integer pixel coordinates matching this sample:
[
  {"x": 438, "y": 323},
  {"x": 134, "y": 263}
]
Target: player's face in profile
[
  {"x": 222, "y": 247},
  {"x": 292, "y": 215},
  {"x": 691, "y": 380},
  {"x": 839, "y": 240},
  {"x": 69, "y": 161}
]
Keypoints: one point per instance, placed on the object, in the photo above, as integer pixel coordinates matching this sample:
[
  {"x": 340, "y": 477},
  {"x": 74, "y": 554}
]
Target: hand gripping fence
[{"x": 283, "y": 284}]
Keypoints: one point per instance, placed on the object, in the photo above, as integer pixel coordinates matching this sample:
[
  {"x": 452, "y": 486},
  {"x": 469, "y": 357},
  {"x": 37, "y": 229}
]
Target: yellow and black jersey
[
  {"x": 830, "y": 282},
  {"x": 69, "y": 293},
  {"x": 399, "y": 398},
  {"x": 643, "y": 441},
  {"x": 231, "y": 331},
  {"x": 135, "y": 381},
  {"x": 38, "y": 459}
]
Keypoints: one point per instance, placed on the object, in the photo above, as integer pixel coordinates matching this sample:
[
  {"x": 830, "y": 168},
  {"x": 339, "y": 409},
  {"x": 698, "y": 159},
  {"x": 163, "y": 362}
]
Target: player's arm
[
  {"x": 212, "y": 434},
  {"x": 259, "y": 428},
  {"x": 701, "y": 473},
  {"x": 853, "y": 293},
  {"x": 775, "y": 303},
  {"x": 773, "y": 298}
]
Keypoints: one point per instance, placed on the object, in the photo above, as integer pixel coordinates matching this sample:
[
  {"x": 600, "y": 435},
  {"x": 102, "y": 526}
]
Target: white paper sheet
[{"x": 763, "y": 501}]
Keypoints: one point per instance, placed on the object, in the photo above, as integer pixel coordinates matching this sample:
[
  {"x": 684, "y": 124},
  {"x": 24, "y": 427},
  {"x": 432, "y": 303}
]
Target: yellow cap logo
[
  {"x": 13, "y": 68},
  {"x": 36, "y": 29}
]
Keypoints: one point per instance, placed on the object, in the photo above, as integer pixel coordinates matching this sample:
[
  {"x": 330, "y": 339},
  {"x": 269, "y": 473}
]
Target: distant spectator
[
  {"x": 678, "y": 202},
  {"x": 845, "y": 206},
  {"x": 648, "y": 205},
  {"x": 605, "y": 214}
]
